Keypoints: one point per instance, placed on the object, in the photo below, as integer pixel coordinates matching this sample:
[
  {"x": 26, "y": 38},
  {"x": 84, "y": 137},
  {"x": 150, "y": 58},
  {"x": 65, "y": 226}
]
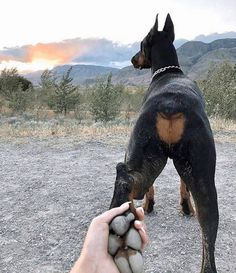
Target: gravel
[{"x": 50, "y": 190}]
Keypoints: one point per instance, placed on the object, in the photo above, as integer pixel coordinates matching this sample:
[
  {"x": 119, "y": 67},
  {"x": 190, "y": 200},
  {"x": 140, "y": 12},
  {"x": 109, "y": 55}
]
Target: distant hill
[
  {"x": 211, "y": 58},
  {"x": 81, "y": 74},
  {"x": 179, "y": 42},
  {"x": 215, "y": 36},
  {"x": 195, "y": 59},
  {"x": 132, "y": 77}
]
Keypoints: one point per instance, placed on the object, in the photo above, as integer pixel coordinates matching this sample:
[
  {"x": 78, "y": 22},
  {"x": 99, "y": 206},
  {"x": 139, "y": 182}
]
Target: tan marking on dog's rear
[{"x": 170, "y": 129}]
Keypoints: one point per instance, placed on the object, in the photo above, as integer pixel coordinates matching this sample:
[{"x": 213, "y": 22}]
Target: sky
[{"x": 27, "y": 23}]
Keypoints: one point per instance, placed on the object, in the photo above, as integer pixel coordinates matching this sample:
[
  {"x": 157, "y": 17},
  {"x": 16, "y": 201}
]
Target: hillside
[
  {"x": 195, "y": 59},
  {"x": 215, "y": 36},
  {"x": 192, "y": 52},
  {"x": 81, "y": 74},
  {"x": 132, "y": 77},
  {"x": 211, "y": 58}
]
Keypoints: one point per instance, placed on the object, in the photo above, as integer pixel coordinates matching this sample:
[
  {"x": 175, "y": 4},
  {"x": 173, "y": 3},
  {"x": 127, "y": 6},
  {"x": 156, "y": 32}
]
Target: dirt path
[{"x": 51, "y": 189}]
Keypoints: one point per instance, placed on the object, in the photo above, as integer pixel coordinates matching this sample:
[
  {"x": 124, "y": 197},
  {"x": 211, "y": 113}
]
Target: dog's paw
[{"x": 125, "y": 244}]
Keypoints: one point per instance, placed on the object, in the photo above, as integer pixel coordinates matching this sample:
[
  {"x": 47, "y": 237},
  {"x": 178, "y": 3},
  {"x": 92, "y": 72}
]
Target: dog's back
[
  {"x": 173, "y": 93},
  {"x": 172, "y": 105}
]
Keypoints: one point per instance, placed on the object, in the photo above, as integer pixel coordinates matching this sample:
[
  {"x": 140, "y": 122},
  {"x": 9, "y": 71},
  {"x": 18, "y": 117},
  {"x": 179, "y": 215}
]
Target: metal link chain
[{"x": 158, "y": 71}]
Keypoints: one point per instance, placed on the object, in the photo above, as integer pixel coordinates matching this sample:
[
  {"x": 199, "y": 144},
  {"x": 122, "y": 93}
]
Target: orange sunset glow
[
  {"x": 35, "y": 65},
  {"x": 44, "y": 56}
]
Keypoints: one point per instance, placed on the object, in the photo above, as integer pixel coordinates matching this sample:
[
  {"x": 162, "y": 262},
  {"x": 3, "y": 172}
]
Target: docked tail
[
  {"x": 170, "y": 127},
  {"x": 171, "y": 104}
]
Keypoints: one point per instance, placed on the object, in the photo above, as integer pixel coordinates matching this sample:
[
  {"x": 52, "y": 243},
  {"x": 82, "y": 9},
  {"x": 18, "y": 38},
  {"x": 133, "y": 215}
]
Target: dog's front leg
[
  {"x": 129, "y": 185},
  {"x": 123, "y": 186}
]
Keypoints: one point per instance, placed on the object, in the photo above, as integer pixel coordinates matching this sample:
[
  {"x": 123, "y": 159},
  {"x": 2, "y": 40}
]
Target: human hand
[{"x": 94, "y": 257}]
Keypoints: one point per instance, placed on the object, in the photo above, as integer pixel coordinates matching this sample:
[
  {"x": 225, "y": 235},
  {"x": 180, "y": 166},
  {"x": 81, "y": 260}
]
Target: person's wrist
[{"x": 84, "y": 265}]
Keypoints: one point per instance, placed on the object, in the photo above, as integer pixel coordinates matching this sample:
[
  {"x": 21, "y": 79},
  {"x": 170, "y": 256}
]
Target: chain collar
[{"x": 160, "y": 70}]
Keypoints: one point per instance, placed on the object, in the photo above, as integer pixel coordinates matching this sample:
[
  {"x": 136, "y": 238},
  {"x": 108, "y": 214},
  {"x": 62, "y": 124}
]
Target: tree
[
  {"x": 47, "y": 88},
  {"x": 61, "y": 94},
  {"x": 220, "y": 91},
  {"x": 15, "y": 89},
  {"x": 105, "y": 100}
]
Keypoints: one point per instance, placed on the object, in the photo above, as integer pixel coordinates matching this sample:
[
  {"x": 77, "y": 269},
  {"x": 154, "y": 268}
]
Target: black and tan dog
[{"x": 172, "y": 124}]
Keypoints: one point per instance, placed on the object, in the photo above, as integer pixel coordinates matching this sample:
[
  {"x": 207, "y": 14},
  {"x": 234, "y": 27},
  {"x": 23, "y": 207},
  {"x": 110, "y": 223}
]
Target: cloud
[
  {"x": 78, "y": 51},
  {"x": 63, "y": 51},
  {"x": 108, "y": 53},
  {"x": 87, "y": 51}
]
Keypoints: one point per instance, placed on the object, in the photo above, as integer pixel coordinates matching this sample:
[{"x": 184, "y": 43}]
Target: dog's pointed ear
[
  {"x": 155, "y": 27},
  {"x": 156, "y": 23},
  {"x": 169, "y": 28}
]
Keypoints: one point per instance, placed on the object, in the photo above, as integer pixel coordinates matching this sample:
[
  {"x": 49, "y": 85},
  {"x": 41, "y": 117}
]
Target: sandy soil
[{"x": 50, "y": 189}]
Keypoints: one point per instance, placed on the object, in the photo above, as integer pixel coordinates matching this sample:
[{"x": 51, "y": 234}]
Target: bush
[
  {"x": 15, "y": 90},
  {"x": 133, "y": 98},
  {"x": 62, "y": 95},
  {"x": 219, "y": 90},
  {"x": 105, "y": 100}
]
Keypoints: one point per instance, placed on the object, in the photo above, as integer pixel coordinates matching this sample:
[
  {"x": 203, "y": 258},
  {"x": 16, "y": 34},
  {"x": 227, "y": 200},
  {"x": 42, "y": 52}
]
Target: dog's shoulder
[{"x": 172, "y": 83}]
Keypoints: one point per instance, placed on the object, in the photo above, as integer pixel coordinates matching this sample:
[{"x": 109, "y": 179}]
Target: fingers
[
  {"x": 107, "y": 216},
  {"x": 140, "y": 226},
  {"x": 142, "y": 231},
  {"x": 140, "y": 213}
]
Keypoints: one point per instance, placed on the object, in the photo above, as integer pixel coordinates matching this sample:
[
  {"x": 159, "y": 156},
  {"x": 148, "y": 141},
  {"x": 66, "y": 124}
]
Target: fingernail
[
  {"x": 125, "y": 204},
  {"x": 143, "y": 230}
]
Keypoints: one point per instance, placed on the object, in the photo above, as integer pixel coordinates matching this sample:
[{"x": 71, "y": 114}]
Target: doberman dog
[{"x": 172, "y": 124}]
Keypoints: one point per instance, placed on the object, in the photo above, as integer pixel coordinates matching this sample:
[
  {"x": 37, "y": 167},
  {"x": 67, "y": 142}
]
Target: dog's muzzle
[{"x": 136, "y": 61}]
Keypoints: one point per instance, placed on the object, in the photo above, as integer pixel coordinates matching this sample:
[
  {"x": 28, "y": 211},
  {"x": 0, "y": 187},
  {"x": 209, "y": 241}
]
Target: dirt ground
[{"x": 50, "y": 189}]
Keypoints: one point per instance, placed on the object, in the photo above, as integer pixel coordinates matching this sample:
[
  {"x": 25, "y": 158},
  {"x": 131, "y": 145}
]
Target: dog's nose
[{"x": 135, "y": 61}]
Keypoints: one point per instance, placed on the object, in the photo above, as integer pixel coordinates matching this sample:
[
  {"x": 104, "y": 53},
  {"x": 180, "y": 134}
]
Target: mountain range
[{"x": 195, "y": 58}]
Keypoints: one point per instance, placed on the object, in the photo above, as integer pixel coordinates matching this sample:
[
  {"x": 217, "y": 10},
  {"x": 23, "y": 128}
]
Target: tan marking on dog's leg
[
  {"x": 170, "y": 129},
  {"x": 185, "y": 201},
  {"x": 149, "y": 200}
]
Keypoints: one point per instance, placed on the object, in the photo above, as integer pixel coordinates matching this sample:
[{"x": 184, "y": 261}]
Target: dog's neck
[
  {"x": 164, "y": 59},
  {"x": 166, "y": 69}
]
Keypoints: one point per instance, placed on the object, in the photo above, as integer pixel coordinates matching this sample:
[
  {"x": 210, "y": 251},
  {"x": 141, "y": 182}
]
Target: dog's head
[{"x": 143, "y": 58}]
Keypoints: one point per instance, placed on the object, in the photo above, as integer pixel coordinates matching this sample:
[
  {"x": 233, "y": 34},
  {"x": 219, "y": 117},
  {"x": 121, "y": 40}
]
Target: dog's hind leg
[
  {"x": 149, "y": 202},
  {"x": 185, "y": 201},
  {"x": 205, "y": 198},
  {"x": 198, "y": 171}
]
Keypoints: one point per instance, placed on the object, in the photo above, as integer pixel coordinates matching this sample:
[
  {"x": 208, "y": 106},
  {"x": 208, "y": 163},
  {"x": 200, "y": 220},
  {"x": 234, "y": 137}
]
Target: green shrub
[
  {"x": 60, "y": 95},
  {"x": 105, "y": 100},
  {"x": 219, "y": 90},
  {"x": 15, "y": 90}
]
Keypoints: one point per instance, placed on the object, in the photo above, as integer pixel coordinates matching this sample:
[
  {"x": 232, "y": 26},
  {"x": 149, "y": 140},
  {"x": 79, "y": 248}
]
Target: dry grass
[
  {"x": 18, "y": 128},
  {"x": 224, "y": 130}
]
